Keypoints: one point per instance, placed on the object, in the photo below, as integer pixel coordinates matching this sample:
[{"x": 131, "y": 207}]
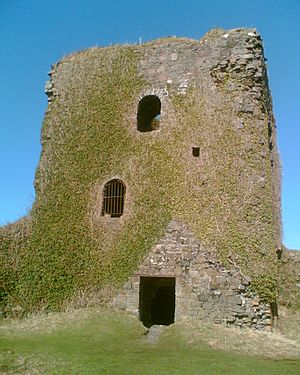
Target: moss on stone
[{"x": 89, "y": 137}]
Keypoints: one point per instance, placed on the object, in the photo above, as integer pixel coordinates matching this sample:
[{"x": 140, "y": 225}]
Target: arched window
[
  {"x": 113, "y": 198},
  {"x": 148, "y": 116}
]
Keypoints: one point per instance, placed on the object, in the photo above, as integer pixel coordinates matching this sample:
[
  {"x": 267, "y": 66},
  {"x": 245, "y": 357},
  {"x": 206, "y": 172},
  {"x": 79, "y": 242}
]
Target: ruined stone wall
[
  {"x": 205, "y": 289},
  {"x": 289, "y": 291},
  {"x": 214, "y": 96},
  {"x": 231, "y": 65}
]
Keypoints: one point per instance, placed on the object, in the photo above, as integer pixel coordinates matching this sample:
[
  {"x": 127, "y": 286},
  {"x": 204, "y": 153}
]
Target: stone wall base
[{"x": 204, "y": 288}]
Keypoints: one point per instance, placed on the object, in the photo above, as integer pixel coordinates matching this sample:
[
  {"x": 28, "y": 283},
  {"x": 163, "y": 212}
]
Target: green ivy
[{"x": 89, "y": 136}]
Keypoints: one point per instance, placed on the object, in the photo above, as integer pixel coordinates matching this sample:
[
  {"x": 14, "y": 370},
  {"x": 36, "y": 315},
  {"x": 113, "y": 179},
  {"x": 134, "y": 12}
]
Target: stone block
[
  {"x": 120, "y": 302},
  {"x": 255, "y": 302}
]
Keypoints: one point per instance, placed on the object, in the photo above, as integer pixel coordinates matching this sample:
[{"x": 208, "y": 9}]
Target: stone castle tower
[{"x": 159, "y": 175}]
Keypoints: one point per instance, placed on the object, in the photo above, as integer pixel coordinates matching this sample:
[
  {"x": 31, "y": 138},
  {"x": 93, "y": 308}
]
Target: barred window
[{"x": 113, "y": 198}]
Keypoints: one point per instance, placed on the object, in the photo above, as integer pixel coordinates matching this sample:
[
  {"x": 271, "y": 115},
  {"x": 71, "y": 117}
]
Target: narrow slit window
[
  {"x": 270, "y": 134},
  {"x": 148, "y": 116},
  {"x": 113, "y": 198}
]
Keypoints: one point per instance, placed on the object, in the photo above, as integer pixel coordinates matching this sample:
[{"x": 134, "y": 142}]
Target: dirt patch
[{"x": 153, "y": 333}]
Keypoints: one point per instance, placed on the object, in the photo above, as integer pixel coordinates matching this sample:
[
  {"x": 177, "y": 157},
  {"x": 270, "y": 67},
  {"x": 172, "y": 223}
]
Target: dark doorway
[{"x": 157, "y": 300}]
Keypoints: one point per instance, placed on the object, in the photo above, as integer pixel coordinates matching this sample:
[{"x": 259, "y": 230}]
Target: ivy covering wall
[{"x": 89, "y": 135}]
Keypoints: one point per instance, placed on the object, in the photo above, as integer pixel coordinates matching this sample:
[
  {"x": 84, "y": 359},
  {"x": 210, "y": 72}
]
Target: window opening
[
  {"x": 148, "y": 116},
  {"x": 270, "y": 132},
  {"x": 157, "y": 300},
  {"x": 196, "y": 151},
  {"x": 113, "y": 198},
  {"x": 270, "y": 136}
]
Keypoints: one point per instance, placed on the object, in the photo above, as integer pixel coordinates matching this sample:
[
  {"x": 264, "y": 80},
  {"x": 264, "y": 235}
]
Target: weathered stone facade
[
  {"x": 205, "y": 289},
  {"x": 186, "y": 128}
]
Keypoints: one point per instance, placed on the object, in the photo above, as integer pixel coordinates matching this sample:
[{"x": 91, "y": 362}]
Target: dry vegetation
[{"x": 281, "y": 343}]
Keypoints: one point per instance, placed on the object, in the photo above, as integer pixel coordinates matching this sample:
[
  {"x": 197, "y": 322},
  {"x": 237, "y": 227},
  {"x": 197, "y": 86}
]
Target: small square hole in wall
[{"x": 196, "y": 151}]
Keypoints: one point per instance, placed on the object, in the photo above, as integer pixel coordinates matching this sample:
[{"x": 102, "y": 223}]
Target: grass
[{"x": 102, "y": 341}]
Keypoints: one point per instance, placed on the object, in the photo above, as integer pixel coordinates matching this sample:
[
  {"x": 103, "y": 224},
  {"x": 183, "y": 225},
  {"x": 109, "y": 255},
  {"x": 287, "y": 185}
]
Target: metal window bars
[{"x": 113, "y": 198}]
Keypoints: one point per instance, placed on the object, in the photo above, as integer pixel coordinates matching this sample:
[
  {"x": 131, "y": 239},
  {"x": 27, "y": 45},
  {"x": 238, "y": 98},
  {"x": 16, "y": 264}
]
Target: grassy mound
[{"x": 93, "y": 341}]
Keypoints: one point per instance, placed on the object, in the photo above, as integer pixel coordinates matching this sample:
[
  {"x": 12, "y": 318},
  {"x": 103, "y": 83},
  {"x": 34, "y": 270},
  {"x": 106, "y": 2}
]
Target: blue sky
[{"x": 37, "y": 33}]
